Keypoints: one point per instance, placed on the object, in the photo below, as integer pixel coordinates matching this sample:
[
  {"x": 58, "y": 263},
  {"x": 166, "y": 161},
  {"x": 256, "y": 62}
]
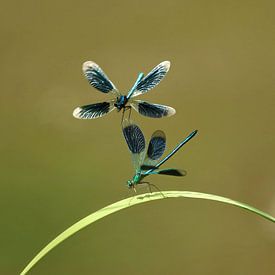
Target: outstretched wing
[
  {"x": 151, "y": 109},
  {"x": 135, "y": 141},
  {"x": 155, "y": 149},
  {"x": 94, "y": 110},
  {"x": 152, "y": 79},
  {"x": 97, "y": 78}
]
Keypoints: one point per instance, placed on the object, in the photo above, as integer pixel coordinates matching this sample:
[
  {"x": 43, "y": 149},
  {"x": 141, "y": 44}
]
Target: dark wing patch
[
  {"x": 152, "y": 79},
  {"x": 172, "y": 172},
  {"x": 93, "y": 110},
  {"x": 157, "y": 145},
  {"x": 97, "y": 78},
  {"x": 152, "y": 110},
  {"x": 134, "y": 138}
]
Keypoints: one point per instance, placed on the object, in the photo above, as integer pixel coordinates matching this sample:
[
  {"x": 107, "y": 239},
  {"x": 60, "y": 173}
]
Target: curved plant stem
[{"x": 117, "y": 206}]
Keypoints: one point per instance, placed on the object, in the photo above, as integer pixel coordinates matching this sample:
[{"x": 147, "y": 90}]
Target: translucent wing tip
[
  {"x": 89, "y": 64},
  {"x": 159, "y": 133},
  {"x": 76, "y": 113},
  {"x": 166, "y": 65},
  {"x": 170, "y": 111}
]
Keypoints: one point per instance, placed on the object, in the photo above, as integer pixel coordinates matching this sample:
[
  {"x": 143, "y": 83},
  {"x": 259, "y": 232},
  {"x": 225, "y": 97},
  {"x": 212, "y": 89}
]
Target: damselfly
[
  {"x": 99, "y": 80},
  {"x": 149, "y": 163}
]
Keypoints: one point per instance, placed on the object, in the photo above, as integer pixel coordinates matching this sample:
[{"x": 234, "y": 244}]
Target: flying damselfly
[
  {"x": 99, "y": 80},
  {"x": 149, "y": 163}
]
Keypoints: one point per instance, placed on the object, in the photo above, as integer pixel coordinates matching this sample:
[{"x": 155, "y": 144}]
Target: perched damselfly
[
  {"x": 149, "y": 163},
  {"x": 99, "y": 80}
]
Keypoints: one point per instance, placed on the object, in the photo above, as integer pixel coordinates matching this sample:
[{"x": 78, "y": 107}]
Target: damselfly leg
[
  {"x": 129, "y": 108},
  {"x": 150, "y": 189}
]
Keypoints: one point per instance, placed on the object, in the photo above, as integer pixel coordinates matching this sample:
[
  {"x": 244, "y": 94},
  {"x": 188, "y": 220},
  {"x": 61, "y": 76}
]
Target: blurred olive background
[{"x": 56, "y": 169}]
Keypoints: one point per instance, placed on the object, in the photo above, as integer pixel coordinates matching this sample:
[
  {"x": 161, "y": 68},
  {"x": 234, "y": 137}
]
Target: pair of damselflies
[{"x": 145, "y": 162}]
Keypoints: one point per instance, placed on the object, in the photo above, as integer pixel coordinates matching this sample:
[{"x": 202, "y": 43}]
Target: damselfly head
[{"x": 130, "y": 184}]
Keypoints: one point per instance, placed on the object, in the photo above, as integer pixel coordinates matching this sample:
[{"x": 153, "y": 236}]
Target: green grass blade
[{"x": 112, "y": 208}]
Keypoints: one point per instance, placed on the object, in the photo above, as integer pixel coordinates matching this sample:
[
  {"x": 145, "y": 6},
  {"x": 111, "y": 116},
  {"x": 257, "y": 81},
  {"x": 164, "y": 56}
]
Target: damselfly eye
[{"x": 129, "y": 183}]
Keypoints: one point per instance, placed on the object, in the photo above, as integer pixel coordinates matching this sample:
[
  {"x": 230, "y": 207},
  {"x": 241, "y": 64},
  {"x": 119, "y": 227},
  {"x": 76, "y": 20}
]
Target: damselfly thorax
[{"x": 121, "y": 102}]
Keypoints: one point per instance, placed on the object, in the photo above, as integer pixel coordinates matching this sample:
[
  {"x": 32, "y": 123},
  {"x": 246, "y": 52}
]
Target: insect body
[
  {"x": 149, "y": 164},
  {"x": 121, "y": 102},
  {"x": 99, "y": 80}
]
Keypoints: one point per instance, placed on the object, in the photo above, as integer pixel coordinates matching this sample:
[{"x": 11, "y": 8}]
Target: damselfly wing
[
  {"x": 136, "y": 143},
  {"x": 100, "y": 81}
]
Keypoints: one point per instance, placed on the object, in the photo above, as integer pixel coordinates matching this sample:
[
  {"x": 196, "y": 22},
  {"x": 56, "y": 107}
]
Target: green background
[{"x": 56, "y": 169}]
